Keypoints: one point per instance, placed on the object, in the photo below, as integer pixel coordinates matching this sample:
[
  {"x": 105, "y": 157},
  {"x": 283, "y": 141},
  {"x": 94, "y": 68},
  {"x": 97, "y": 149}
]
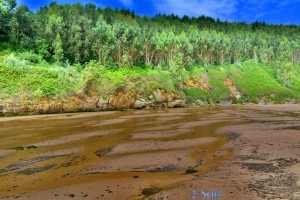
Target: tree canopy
[{"x": 80, "y": 33}]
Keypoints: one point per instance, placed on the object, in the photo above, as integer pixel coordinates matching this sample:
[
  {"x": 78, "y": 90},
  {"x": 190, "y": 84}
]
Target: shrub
[
  {"x": 13, "y": 61},
  {"x": 219, "y": 91},
  {"x": 194, "y": 94},
  {"x": 241, "y": 101},
  {"x": 257, "y": 81},
  {"x": 31, "y": 57},
  {"x": 162, "y": 78}
]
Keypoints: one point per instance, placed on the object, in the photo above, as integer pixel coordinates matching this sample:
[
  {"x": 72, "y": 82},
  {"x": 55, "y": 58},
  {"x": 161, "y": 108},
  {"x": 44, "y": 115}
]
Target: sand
[{"x": 253, "y": 153}]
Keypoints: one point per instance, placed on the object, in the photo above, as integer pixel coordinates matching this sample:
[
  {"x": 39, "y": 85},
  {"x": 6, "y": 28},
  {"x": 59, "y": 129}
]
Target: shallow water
[{"x": 159, "y": 146}]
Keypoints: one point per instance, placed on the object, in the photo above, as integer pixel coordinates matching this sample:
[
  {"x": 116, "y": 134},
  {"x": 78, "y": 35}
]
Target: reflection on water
[{"x": 160, "y": 146}]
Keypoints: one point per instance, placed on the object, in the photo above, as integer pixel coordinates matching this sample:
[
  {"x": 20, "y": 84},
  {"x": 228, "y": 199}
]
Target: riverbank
[
  {"x": 48, "y": 89},
  {"x": 120, "y": 102},
  {"x": 246, "y": 152}
]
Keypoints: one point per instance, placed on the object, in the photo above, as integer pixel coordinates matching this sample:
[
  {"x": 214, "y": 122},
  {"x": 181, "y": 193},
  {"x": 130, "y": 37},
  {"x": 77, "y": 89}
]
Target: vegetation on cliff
[{"x": 72, "y": 50}]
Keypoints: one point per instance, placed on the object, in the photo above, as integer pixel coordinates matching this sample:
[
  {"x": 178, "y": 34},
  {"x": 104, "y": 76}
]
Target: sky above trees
[{"x": 270, "y": 11}]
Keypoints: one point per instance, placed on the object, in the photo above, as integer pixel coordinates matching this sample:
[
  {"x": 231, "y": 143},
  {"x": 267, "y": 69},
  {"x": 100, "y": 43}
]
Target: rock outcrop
[
  {"x": 103, "y": 104},
  {"x": 141, "y": 103},
  {"x": 122, "y": 101},
  {"x": 81, "y": 103},
  {"x": 200, "y": 103},
  {"x": 159, "y": 96},
  {"x": 1, "y": 108},
  {"x": 202, "y": 84},
  {"x": 175, "y": 103},
  {"x": 225, "y": 103},
  {"x": 233, "y": 90}
]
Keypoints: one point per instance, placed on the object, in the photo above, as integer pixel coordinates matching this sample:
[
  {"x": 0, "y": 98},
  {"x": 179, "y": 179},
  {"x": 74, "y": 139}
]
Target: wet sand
[{"x": 248, "y": 152}]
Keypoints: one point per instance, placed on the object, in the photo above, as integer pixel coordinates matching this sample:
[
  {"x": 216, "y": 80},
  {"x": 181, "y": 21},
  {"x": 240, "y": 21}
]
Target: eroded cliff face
[
  {"x": 50, "y": 105},
  {"x": 90, "y": 100},
  {"x": 233, "y": 90},
  {"x": 82, "y": 103}
]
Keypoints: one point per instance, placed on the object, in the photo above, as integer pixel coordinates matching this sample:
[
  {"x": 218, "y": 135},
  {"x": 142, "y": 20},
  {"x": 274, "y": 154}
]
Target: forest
[
  {"x": 80, "y": 33},
  {"x": 59, "y": 49}
]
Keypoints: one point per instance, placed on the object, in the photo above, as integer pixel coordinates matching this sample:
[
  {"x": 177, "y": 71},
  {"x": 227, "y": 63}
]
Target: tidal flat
[{"x": 243, "y": 152}]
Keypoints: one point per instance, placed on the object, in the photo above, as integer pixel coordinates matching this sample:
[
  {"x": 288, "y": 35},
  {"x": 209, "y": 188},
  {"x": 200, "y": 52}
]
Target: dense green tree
[
  {"x": 6, "y": 8},
  {"x": 78, "y": 34},
  {"x": 58, "y": 50},
  {"x": 102, "y": 38},
  {"x": 43, "y": 48},
  {"x": 22, "y": 27}
]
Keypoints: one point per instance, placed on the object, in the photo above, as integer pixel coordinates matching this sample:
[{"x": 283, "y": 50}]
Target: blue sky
[{"x": 270, "y": 11}]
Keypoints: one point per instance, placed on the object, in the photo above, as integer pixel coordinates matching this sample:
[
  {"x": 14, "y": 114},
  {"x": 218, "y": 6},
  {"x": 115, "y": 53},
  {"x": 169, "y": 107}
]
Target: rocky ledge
[{"x": 81, "y": 103}]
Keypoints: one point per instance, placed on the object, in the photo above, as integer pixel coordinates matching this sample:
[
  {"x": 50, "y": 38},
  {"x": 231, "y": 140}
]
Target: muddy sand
[{"x": 247, "y": 152}]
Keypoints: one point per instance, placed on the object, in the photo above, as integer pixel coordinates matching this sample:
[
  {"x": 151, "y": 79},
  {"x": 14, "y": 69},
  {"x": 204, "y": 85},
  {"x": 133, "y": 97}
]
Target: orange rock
[
  {"x": 203, "y": 84},
  {"x": 122, "y": 101},
  {"x": 192, "y": 83},
  {"x": 228, "y": 83}
]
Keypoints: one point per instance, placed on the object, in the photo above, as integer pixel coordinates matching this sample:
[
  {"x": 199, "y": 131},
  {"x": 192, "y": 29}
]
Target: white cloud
[{"x": 213, "y": 8}]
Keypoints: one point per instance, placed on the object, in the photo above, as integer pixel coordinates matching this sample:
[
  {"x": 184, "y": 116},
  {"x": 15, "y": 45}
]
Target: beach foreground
[{"x": 246, "y": 152}]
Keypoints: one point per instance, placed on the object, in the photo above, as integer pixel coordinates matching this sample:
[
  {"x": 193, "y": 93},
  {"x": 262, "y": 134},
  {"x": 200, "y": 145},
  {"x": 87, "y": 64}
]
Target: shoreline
[{"x": 18, "y": 110}]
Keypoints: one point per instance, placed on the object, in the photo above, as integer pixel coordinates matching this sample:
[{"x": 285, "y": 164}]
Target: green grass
[
  {"x": 219, "y": 91},
  {"x": 113, "y": 81},
  {"x": 256, "y": 81},
  {"x": 295, "y": 84},
  {"x": 26, "y": 75},
  {"x": 36, "y": 81},
  {"x": 215, "y": 78},
  {"x": 194, "y": 94}
]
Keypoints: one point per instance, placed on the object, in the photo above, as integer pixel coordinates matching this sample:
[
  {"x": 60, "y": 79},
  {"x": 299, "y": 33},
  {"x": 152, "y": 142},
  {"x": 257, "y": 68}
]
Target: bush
[
  {"x": 194, "y": 94},
  {"x": 162, "y": 78},
  {"x": 196, "y": 72},
  {"x": 13, "y": 61},
  {"x": 241, "y": 101},
  {"x": 37, "y": 81},
  {"x": 255, "y": 81},
  {"x": 92, "y": 71},
  {"x": 31, "y": 57},
  {"x": 219, "y": 91},
  {"x": 18, "y": 78},
  {"x": 49, "y": 88},
  {"x": 5, "y": 46}
]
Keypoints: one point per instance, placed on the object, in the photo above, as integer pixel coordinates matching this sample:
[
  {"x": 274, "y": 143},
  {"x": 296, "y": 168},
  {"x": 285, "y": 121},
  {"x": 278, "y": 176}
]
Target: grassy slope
[
  {"x": 256, "y": 81},
  {"x": 33, "y": 79}
]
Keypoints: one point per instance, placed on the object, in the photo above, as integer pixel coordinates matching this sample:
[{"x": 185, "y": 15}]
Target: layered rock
[
  {"x": 200, "y": 103},
  {"x": 122, "y": 101},
  {"x": 103, "y": 103},
  {"x": 141, "y": 103},
  {"x": 176, "y": 103},
  {"x": 129, "y": 100}
]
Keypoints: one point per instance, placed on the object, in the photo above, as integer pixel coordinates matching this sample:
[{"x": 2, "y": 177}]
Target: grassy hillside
[
  {"x": 67, "y": 58},
  {"x": 25, "y": 77}
]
